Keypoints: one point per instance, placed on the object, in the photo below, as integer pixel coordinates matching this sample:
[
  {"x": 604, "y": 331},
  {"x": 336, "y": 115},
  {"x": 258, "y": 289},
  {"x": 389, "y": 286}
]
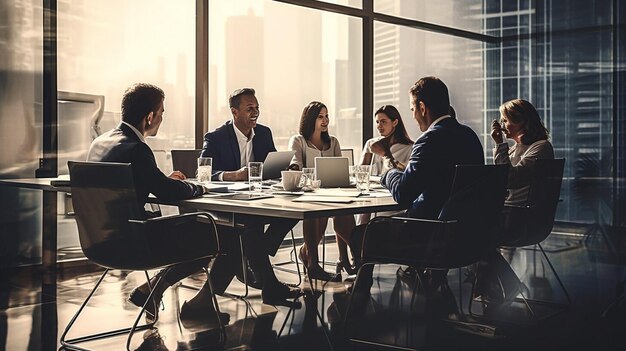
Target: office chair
[
  {"x": 530, "y": 224},
  {"x": 186, "y": 161},
  {"x": 114, "y": 233},
  {"x": 462, "y": 234},
  {"x": 349, "y": 153}
]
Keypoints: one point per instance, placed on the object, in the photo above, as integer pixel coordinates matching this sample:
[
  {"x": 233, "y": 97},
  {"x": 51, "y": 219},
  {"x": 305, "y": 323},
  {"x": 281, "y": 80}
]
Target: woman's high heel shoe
[
  {"x": 345, "y": 266},
  {"x": 316, "y": 272}
]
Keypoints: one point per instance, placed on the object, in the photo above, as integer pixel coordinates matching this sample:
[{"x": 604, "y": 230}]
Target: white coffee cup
[{"x": 291, "y": 179}]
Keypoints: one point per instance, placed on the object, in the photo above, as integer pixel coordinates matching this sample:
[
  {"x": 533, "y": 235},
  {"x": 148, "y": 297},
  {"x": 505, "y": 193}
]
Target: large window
[
  {"x": 566, "y": 71},
  {"x": 104, "y": 46},
  {"x": 459, "y": 14},
  {"x": 21, "y": 67},
  {"x": 403, "y": 55},
  {"x": 566, "y": 57},
  {"x": 291, "y": 56}
]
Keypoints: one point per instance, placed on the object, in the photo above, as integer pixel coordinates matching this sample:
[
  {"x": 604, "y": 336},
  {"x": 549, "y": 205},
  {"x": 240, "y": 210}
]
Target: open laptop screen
[
  {"x": 275, "y": 162},
  {"x": 332, "y": 171}
]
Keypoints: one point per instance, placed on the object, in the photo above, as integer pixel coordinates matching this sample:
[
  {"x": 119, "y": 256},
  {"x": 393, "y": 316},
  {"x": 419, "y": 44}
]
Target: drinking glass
[
  {"x": 255, "y": 176},
  {"x": 308, "y": 176},
  {"x": 362, "y": 176},
  {"x": 205, "y": 169}
]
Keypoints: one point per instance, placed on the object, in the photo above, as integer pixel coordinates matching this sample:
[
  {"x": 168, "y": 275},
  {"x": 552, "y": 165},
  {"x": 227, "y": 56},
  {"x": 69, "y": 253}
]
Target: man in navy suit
[
  {"x": 232, "y": 146},
  {"x": 142, "y": 114},
  {"x": 240, "y": 140},
  {"x": 424, "y": 186}
]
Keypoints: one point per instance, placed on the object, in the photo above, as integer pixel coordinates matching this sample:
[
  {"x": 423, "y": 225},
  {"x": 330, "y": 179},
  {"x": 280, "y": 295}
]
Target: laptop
[
  {"x": 275, "y": 162},
  {"x": 333, "y": 172}
]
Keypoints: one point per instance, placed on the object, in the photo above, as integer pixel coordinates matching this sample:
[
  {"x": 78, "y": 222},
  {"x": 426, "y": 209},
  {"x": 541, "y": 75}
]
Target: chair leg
[
  {"x": 244, "y": 263},
  {"x": 217, "y": 309},
  {"x": 569, "y": 300},
  {"x": 346, "y": 318},
  {"x": 71, "y": 344},
  {"x": 296, "y": 261},
  {"x": 143, "y": 308}
]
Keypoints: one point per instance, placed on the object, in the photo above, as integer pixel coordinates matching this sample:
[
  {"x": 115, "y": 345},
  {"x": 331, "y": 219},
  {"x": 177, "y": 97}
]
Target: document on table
[
  {"x": 335, "y": 192},
  {"x": 324, "y": 198}
]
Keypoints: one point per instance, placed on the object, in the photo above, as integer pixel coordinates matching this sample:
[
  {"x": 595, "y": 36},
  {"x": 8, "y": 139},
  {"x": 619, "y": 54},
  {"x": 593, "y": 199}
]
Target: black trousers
[
  {"x": 258, "y": 245},
  {"x": 185, "y": 237}
]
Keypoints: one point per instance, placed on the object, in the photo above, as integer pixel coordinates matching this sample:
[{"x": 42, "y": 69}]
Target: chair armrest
[
  {"x": 172, "y": 218},
  {"x": 414, "y": 220},
  {"x": 517, "y": 206},
  {"x": 164, "y": 220}
]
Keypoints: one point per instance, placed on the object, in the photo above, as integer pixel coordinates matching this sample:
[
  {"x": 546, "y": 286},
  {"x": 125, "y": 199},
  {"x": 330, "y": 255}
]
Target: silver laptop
[
  {"x": 332, "y": 171},
  {"x": 275, "y": 162}
]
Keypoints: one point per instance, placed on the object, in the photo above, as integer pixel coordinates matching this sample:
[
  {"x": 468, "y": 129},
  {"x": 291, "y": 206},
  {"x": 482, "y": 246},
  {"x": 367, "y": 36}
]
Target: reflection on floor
[{"x": 34, "y": 310}]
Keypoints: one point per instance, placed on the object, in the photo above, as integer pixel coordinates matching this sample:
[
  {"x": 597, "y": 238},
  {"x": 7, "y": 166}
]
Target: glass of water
[
  {"x": 255, "y": 176},
  {"x": 362, "y": 176},
  {"x": 205, "y": 169},
  {"x": 308, "y": 176}
]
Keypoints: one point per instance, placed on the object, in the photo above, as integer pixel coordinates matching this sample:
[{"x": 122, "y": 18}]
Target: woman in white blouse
[
  {"x": 519, "y": 121},
  {"x": 393, "y": 146},
  {"x": 389, "y": 125},
  {"x": 314, "y": 141}
]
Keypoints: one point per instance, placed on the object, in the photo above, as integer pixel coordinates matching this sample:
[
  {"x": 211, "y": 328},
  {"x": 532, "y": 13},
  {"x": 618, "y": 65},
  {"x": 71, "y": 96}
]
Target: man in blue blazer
[
  {"x": 232, "y": 146},
  {"x": 424, "y": 186},
  {"x": 142, "y": 114}
]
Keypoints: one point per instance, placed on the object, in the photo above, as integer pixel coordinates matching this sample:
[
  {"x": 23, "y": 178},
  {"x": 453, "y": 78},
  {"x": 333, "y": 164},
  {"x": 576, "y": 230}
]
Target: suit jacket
[
  {"x": 121, "y": 144},
  {"x": 221, "y": 144},
  {"x": 425, "y": 184}
]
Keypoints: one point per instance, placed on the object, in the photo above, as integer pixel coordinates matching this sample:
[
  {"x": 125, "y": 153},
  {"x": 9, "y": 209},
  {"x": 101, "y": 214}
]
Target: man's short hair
[
  {"x": 235, "y": 98},
  {"x": 139, "y": 100},
  {"x": 433, "y": 93}
]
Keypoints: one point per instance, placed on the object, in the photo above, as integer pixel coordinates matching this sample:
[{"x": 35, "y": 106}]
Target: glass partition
[
  {"x": 290, "y": 56},
  {"x": 403, "y": 55},
  {"x": 21, "y": 82},
  {"x": 459, "y": 14}
]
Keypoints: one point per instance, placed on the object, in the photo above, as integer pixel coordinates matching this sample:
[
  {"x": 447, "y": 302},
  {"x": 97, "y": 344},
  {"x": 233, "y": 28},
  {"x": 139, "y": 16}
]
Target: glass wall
[
  {"x": 290, "y": 56},
  {"x": 566, "y": 71},
  {"x": 21, "y": 80},
  {"x": 403, "y": 55},
  {"x": 566, "y": 57},
  {"x": 459, "y": 14},
  {"x": 104, "y": 46}
]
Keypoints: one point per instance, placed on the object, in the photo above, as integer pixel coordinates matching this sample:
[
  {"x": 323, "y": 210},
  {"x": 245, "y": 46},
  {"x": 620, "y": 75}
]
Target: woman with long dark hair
[
  {"x": 392, "y": 131},
  {"x": 315, "y": 141}
]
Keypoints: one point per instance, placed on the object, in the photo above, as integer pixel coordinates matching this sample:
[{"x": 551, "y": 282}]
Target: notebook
[
  {"x": 275, "y": 162},
  {"x": 332, "y": 171}
]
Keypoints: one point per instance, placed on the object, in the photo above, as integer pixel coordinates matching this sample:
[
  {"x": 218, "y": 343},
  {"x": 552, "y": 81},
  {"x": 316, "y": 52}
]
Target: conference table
[{"x": 225, "y": 210}]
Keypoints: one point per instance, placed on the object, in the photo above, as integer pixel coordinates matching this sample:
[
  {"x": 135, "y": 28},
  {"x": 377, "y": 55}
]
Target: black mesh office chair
[
  {"x": 186, "y": 161},
  {"x": 115, "y": 234},
  {"x": 531, "y": 224},
  {"x": 462, "y": 235}
]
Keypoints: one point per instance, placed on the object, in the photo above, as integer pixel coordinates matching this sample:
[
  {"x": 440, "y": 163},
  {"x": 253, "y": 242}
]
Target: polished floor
[{"x": 35, "y": 308}]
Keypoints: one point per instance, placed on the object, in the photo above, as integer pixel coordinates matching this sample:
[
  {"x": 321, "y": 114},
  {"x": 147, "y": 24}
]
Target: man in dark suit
[
  {"x": 240, "y": 140},
  {"x": 424, "y": 186},
  {"x": 142, "y": 114},
  {"x": 232, "y": 146}
]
